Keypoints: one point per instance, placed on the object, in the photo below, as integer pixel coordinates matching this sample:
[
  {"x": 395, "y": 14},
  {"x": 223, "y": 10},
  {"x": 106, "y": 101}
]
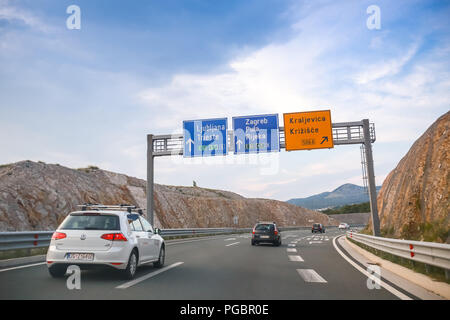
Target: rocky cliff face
[
  {"x": 37, "y": 196},
  {"x": 414, "y": 199}
]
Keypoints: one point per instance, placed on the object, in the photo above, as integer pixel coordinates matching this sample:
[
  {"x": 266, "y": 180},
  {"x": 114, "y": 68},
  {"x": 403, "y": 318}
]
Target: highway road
[{"x": 227, "y": 267}]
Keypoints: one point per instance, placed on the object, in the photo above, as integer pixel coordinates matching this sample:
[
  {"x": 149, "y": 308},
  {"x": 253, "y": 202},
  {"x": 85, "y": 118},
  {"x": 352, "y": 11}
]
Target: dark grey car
[
  {"x": 266, "y": 232},
  {"x": 318, "y": 227}
]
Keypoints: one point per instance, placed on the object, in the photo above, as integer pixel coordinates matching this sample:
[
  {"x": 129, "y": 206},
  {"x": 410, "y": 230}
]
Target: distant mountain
[{"x": 345, "y": 194}]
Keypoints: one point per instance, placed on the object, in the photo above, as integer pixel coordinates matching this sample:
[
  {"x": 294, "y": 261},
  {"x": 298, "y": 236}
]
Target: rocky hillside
[
  {"x": 37, "y": 196},
  {"x": 414, "y": 199}
]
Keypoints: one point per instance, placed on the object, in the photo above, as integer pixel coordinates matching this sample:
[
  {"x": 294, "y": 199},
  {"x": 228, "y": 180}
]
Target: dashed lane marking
[
  {"x": 310, "y": 275},
  {"x": 232, "y": 244},
  {"x": 230, "y": 239},
  {"x": 148, "y": 276},
  {"x": 296, "y": 258},
  {"x": 291, "y": 250}
]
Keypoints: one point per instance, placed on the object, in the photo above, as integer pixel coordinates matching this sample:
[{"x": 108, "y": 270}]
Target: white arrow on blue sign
[
  {"x": 256, "y": 134},
  {"x": 206, "y": 137}
]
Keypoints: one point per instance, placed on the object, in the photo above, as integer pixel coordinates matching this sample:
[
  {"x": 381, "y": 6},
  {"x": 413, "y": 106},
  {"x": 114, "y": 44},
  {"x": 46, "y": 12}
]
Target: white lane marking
[
  {"x": 310, "y": 275},
  {"x": 21, "y": 267},
  {"x": 291, "y": 245},
  {"x": 172, "y": 242},
  {"x": 232, "y": 244},
  {"x": 296, "y": 258},
  {"x": 230, "y": 239},
  {"x": 291, "y": 250},
  {"x": 147, "y": 276},
  {"x": 382, "y": 283},
  {"x": 311, "y": 242}
]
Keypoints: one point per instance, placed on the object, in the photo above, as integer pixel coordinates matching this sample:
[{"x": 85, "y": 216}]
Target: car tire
[
  {"x": 130, "y": 271},
  {"x": 253, "y": 243},
  {"x": 161, "y": 259},
  {"x": 57, "y": 271}
]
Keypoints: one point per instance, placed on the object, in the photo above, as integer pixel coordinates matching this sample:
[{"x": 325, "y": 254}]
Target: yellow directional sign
[{"x": 308, "y": 130}]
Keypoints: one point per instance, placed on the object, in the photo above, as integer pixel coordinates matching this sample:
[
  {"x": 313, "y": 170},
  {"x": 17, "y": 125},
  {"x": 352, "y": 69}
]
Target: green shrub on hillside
[{"x": 351, "y": 208}]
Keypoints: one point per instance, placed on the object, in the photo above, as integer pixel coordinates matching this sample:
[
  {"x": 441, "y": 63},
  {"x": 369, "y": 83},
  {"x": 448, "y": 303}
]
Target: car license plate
[
  {"x": 80, "y": 256},
  {"x": 265, "y": 237}
]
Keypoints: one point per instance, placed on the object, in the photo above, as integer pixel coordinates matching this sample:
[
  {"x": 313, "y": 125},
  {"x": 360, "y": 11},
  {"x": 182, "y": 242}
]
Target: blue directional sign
[
  {"x": 255, "y": 134},
  {"x": 205, "y": 137}
]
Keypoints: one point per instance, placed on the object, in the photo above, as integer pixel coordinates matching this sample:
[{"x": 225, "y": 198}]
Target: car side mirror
[{"x": 157, "y": 230}]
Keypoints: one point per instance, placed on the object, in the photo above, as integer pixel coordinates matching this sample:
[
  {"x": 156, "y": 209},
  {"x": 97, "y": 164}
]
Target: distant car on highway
[
  {"x": 318, "y": 227},
  {"x": 343, "y": 226},
  {"x": 98, "y": 235},
  {"x": 266, "y": 232}
]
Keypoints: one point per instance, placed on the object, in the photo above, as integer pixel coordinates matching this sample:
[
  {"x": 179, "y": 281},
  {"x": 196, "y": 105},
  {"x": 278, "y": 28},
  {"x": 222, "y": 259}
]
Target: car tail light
[
  {"x": 58, "y": 236},
  {"x": 114, "y": 237},
  {"x": 276, "y": 232}
]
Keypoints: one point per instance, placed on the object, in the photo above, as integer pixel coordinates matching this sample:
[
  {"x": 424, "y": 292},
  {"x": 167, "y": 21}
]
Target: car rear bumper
[
  {"x": 115, "y": 257},
  {"x": 269, "y": 239}
]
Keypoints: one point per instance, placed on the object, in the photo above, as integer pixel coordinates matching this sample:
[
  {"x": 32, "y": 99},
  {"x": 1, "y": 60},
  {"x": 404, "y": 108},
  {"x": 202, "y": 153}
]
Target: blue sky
[{"x": 89, "y": 96}]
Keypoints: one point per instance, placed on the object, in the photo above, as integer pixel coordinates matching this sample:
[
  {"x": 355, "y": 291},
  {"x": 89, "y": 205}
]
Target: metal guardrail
[
  {"x": 430, "y": 253},
  {"x": 41, "y": 239}
]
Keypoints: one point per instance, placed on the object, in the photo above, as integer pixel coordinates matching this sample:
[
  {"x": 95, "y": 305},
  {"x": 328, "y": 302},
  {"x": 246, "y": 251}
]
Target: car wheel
[
  {"x": 130, "y": 271},
  {"x": 162, "y": 258},
  {"x": 57, "y": 271}
]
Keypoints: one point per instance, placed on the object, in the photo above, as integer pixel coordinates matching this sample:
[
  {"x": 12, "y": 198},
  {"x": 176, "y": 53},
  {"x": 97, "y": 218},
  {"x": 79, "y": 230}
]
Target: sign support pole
[
  {"x": 371, "y": 179},
  {"x": 150, "y": 178}
]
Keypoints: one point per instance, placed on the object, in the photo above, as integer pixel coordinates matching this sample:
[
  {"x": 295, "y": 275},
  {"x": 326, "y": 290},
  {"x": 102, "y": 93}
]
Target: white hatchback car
[
  {"x": 344, "y": 226},
  {"x": 113, "y": 236}
]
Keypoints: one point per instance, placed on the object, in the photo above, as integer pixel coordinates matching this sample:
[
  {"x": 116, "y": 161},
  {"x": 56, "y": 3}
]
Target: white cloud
[
  {"x": 15, "y": 14},
  {"x": 387, "y": 68}
]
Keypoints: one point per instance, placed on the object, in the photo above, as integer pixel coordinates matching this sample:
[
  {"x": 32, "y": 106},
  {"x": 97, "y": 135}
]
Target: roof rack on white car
[{"x": 121, "y": 207}]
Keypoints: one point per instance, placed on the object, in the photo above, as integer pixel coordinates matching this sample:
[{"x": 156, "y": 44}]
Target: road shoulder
[{"x": 415, "y": 283}]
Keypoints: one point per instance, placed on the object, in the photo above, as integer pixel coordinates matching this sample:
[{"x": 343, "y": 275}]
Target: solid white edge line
[
  {"x": 25, "y": 266},
  {"x": 147, "y": 276},
  {"x": 367, "y": 274}
]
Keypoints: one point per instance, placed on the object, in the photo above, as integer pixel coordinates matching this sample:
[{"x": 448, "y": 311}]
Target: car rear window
[
  {"x": 91, "y": 222},
  {"x": 264, "y": 227},
  {"x": 316, "y": 225}
]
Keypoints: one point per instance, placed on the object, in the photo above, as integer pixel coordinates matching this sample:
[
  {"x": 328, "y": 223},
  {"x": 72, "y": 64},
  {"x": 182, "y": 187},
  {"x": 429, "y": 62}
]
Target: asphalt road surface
[{"x": 228, "y": 267}]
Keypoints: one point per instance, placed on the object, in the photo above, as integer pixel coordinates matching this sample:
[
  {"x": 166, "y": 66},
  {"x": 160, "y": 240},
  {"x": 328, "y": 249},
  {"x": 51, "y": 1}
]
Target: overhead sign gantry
[{"x": 262, "y": 133}]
